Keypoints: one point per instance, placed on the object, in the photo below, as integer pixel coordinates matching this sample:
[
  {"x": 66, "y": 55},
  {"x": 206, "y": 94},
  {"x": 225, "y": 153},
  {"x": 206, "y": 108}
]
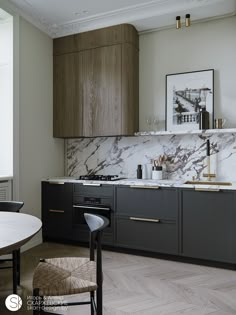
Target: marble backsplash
[{"x": 186, "y": 155}]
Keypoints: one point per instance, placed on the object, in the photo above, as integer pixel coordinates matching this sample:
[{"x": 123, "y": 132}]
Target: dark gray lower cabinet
[
  {"x": 57, "y": 210},
  {"x": 159, "y": 237},
  {"x": 208, "y": 225},
  {"x": 146, "y": 219}
]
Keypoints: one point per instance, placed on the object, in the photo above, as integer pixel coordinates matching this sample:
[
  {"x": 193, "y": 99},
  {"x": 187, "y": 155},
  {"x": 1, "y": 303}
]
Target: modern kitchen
[{"x": 122, "y": 112}]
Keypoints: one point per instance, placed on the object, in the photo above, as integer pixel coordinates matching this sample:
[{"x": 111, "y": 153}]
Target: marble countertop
[{"x": 142, "y": 182}]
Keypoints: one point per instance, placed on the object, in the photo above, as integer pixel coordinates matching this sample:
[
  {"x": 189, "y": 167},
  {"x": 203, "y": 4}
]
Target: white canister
[{"x": 157, "y": 172}]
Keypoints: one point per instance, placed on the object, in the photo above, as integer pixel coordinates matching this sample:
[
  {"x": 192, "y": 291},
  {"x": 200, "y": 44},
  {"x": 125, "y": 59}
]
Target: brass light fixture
[
  {"x": 178, "y": 22},
  {"x": 187, "y": 20}
]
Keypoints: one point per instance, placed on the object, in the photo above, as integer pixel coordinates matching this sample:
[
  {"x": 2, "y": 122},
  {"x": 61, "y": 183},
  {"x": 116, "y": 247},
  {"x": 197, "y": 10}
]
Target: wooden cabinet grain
[
  {"x": 67, "y": 110},
  {"x": 96, "y": 83},
  {"x": 100, "y": 75}
]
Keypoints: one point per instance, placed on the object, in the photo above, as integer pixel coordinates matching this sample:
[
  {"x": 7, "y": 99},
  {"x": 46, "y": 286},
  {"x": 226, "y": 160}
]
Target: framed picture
[{"x": 186, "y": 94}]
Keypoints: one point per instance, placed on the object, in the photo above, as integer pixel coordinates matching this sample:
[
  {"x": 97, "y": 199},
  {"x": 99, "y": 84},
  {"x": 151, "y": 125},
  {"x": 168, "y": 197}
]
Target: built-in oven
[{"x": 94, "y": 199}]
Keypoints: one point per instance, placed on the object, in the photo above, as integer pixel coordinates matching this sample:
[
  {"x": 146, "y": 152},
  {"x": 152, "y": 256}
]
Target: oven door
[
  {"x": 81, "y": 209},
  {"x": 80, "y": 228}
]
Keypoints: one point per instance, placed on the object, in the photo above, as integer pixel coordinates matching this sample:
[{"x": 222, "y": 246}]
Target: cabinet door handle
[
  {"x": 144, "y": 187},
  {"x": 88, "y": 184},
  {"x": 57, "y": 211},
  {"x": 145, "y": 219},
  {"x": 208, "y": 189},
  {"x": 56, "y": 183},
  {"x": 91, "y": 207}
]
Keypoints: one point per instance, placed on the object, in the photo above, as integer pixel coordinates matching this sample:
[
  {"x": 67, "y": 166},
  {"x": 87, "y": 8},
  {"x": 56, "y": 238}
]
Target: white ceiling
[{"x": 63, "y": 17}]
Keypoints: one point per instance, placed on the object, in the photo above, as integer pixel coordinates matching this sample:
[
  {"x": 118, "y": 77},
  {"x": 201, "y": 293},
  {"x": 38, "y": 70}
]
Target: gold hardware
[
  {"x": 57, "y": 211},
  {"x": 56, "y": 183},
  {"x": 178, "y": 22},
  {"x": 144, "y": 187},
  {"x": 210, "y": 175},
  {"x": 144, "y": 219},
  {"x": 208, "y": 183},
  {"x": 207, "y": 189},
  {"x": 187, "y": 20}
]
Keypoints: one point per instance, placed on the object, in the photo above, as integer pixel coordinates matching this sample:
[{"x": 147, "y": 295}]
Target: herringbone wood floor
[{"x": 139, "y": 285}]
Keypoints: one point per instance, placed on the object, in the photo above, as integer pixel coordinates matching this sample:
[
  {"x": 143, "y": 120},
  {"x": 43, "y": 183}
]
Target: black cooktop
[{"x": 100, "y": 177}]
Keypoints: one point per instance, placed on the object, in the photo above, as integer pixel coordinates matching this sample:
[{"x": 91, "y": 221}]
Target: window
[{"x": 6, "y": 94}]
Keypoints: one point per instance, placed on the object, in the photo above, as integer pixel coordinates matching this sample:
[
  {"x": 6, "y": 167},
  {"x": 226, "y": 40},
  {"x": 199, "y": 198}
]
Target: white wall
[
  {"x": 40, "y": 154},
  {"x": 6, "y": 96},
  {"x": 201, "y": 46}
]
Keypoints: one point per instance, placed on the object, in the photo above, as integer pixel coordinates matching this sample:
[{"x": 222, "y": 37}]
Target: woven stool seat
[{"x": 64, "y": 276}]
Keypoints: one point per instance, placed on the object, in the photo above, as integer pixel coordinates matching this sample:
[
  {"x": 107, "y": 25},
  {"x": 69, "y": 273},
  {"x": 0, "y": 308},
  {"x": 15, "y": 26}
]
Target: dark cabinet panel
[
  {"x": 147, "y": 219},
  {"x": 153, "y": 236},
  {"x": 101, "y": 191},
  {"x": 57, "y": 210},
  {"x": 157, "y": 203},
  {"x": 208, "y": 225}
]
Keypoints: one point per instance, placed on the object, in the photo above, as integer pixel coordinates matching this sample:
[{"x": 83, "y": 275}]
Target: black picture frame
[{"x": 186, "y": 94}]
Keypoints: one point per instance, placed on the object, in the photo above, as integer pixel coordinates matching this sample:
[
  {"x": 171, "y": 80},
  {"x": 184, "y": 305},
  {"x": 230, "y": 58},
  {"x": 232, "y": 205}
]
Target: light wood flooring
[{"x": 139, "y": 285}]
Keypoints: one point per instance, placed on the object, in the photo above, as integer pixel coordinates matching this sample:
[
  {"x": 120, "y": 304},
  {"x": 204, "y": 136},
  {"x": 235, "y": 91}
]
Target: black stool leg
[
  {"x": 92, "y": 302},
  {"x": 18, "y": 266},
  {"x": 14, "y": 273},
  {"x": 99, "y": 300}
]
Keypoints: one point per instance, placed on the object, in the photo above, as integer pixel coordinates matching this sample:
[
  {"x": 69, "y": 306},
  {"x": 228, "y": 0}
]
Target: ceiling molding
[
  {"x": 152, "y": 30},
  {"x": 130, "y": 14}
]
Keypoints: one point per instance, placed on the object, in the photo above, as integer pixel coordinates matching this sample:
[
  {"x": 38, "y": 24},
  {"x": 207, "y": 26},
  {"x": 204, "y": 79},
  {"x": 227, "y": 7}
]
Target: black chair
[
  {"x": 73, "y": 275},
  {"x": 14, "y": 259}
]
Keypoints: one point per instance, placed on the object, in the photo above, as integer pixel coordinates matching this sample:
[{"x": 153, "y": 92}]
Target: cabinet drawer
[
  {"x": 100, "y": 191},
  {"x": 154, "y": 203},
  {"x": 149, "y": 236}
]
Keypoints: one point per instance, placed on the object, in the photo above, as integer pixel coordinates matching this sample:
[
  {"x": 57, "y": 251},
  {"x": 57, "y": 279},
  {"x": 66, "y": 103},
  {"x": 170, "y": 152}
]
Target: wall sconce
[
  {"x": 178, "y": 22},
  {"x": 187, "y": 20}
]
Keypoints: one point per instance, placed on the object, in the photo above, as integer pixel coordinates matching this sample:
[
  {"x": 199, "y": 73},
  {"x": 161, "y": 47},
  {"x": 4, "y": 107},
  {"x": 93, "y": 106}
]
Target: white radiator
[{"x": 5, "y": 190}]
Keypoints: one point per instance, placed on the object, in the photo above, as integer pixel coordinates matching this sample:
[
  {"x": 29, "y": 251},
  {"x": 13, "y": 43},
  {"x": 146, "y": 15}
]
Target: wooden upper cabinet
[
  {"x": 118, "y": 34},
  {"x": 101, "y": 81},
  {"x": 67, "y": 111},
  {"x": 96, "y": 83}
]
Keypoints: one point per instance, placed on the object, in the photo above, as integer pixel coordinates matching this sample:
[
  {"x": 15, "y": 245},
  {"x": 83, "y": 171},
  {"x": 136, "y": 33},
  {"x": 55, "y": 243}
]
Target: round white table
[{"x": 16, "y": 229}]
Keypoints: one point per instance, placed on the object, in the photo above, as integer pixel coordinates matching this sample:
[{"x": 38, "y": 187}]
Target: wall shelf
[{"x": 185, "y": 132}]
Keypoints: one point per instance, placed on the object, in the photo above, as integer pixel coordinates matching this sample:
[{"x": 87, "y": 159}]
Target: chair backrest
[
  {"x": 96, "y": 224},
  {"x": 11, "y": 206}
]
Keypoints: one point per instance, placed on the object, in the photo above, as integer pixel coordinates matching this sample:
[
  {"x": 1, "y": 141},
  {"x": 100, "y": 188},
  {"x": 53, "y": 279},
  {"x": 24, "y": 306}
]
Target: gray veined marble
[{"x": 186, "y": 155}]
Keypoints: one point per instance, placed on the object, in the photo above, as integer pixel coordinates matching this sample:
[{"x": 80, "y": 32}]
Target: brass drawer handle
[
  {"x": 208, "y": 189},
  {"x": 56, "y": 183},
  {"x": 144, "y": 187},
  {"x": 145, "y": 219},
  {"x": 56, "y": 211}
]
